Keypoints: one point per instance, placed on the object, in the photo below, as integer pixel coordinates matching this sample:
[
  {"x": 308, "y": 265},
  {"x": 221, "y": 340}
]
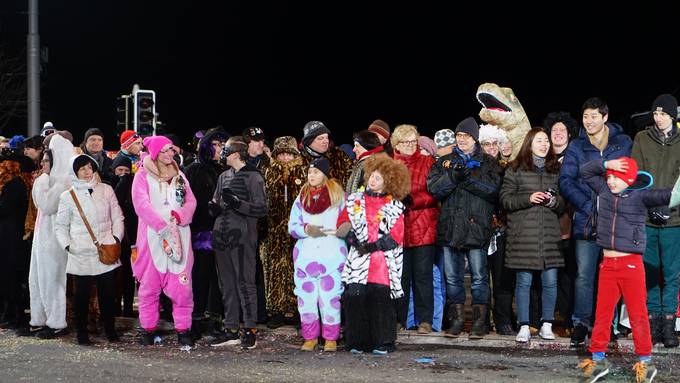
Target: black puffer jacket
[
  {"x": 467, "y": 207},
  {"x": 533, "y": 231}
]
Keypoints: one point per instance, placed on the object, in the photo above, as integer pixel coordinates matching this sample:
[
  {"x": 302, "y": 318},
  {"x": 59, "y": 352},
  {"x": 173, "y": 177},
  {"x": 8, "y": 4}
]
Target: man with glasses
[{"x": 466, "y": 182}]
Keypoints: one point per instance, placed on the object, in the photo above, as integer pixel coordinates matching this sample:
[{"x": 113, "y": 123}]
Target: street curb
[{"x": 508, "y": 342}]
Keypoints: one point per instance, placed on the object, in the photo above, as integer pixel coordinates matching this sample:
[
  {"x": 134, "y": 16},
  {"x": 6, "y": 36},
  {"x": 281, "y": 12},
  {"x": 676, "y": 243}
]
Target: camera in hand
[{"x": 551, "y": 192}]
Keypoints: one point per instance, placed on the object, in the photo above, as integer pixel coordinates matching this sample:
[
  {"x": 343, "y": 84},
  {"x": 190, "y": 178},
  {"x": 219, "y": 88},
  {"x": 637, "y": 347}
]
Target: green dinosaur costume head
[{"x": 501, "y": 107}]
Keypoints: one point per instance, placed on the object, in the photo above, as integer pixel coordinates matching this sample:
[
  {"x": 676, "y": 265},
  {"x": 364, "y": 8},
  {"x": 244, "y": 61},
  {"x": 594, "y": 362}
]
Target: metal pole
[{"x": 33, "y": 53}]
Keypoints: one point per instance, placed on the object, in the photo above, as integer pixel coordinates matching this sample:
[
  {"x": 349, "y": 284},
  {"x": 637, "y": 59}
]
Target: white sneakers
[
  {"x": 546, "y": 331},
  {"x": 523, "y": 335}
]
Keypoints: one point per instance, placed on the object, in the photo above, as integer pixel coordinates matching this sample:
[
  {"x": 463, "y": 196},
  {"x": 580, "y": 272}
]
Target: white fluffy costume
[{"x": 47, "y": 274}]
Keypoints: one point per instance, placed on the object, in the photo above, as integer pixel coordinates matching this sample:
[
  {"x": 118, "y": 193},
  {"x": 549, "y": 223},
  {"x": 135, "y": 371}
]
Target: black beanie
[
  {"x": 312, "y": 130},
  {"x": 469, "y": 126},
  {"x": 121, "y": 160},
  {"x": 92, "y": 132},
  {"x": 82, "y": 160},
  {"x": 367, "y": 139},
  {"x": 323, "y": 165},
  {"x": 666, "y": 103}
]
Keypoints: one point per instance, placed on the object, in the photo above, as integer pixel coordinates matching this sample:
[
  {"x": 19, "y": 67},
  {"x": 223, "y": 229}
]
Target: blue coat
[
  {"x": 573, "y": 187},
  {"x": 621, "y": 217}
]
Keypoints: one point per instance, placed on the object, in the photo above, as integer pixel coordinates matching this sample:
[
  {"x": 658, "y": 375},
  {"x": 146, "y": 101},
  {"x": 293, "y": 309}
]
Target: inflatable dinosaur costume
[{"x": 501, "y": 107}]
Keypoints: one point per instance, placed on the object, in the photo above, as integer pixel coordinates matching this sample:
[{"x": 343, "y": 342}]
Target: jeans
[
  {"x": 417, "y": 275},
  {"x": 454, "y": 271},
  {"x": 548, "y": 294},
  {"x": 662, "y": 257},
  {"x": 587, "y": 258}
]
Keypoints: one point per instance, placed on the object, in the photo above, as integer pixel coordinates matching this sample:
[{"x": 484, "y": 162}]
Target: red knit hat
[
  {"x": 127, "y": 138},
  {"x": 629, "y": 175}
]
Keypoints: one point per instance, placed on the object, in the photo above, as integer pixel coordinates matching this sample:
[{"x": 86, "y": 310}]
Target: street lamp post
[{"x": 33, "y": 53}]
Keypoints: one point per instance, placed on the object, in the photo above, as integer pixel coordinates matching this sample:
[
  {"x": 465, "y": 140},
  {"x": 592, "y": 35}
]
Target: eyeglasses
[
  {"x": 409, "y": 142},
  {"x": 487, "y": 144},
  {"x": 462, "y": 135}
]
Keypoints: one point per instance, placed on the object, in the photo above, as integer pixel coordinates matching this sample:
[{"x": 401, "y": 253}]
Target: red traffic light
[{"x": 145, "y": 103}]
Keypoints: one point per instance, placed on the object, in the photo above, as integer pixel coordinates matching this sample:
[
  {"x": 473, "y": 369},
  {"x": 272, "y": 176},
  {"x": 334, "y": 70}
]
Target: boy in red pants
[{"x": 622, "y": 210}]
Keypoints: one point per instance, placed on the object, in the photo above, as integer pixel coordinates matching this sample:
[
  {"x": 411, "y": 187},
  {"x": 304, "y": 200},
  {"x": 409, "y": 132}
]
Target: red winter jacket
[{"x": 420, "y": 224}]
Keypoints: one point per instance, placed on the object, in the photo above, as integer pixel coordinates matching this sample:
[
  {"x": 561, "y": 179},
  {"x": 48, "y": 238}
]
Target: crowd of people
[{"x": 358, "y": 241}]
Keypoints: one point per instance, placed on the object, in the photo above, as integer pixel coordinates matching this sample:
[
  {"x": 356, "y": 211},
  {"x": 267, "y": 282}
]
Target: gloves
[
  {"x": 354, "y": 242},
  {"x": 214, "y": 209},
  {"x": 659, "y": 216},
  {"x": 314, "y": 231},
  {"x": 230, "y": 199},
  {"x": 343, "y": 230},
  {"x": 460, "y": 172}
]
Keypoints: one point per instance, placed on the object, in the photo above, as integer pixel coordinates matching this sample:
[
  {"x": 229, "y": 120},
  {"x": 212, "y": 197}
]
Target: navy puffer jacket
[
  {"x": 574, "y": 189},
  {"x": 621, "y": 217}
]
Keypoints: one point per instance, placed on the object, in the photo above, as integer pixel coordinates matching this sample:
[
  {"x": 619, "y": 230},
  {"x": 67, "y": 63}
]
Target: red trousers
[{"x": 622, "y": 276}]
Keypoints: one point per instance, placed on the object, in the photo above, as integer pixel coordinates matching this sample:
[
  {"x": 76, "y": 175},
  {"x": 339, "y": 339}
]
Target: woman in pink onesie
[{"x": 165, "y": 205}]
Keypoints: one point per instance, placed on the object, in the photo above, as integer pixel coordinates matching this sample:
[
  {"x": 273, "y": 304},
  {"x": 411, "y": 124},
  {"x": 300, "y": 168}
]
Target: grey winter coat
[{"x": 533, "y": 231}]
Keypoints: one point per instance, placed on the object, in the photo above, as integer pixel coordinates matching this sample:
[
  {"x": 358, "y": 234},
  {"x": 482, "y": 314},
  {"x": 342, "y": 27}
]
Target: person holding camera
[
  {"x": 531, "y": 198},
  {"x": 656, "y": 151},
  {"x": 238, "y": 203},
  {"x": 466, "y": 182}
]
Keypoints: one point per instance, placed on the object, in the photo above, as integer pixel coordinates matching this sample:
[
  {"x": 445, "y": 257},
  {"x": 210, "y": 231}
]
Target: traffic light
[
  {"x": 144, "y": 112},
  {"x": 123, "y": 113}
]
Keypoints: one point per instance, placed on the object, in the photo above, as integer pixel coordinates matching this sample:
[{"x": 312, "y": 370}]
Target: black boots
[
  {"x": 668, "y": 331},
  {"x": 479, "y": 322},
  {"x": 456, "y": 319}
]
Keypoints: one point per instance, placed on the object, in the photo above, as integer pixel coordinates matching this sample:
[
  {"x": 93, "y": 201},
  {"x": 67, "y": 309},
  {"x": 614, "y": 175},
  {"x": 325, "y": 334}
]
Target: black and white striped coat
[{"x": 356, "y": 265}]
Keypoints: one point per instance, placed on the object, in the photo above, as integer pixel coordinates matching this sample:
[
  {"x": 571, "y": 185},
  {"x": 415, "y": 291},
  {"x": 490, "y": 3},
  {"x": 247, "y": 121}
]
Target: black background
[{"x": 278, "y": 65}]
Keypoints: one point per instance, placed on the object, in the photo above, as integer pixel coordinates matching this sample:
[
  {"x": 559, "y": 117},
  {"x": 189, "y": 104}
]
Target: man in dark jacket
[
  {"x": 240, "y": 201},
  {"x": 656, "y": 150},
  {"x": 93, "y": 146},
  {"x": 202, "y": 175},
  {"x": 466, "y": 181},
  {"x": 599, "y": 139}
]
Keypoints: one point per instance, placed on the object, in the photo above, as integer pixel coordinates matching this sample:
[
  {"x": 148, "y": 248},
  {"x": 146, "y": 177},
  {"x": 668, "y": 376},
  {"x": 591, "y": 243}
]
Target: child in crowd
[
  {"x": 372, "y": 272},
  {"x": 318, "y": 256},
  {"x": 621, "y": 233}
]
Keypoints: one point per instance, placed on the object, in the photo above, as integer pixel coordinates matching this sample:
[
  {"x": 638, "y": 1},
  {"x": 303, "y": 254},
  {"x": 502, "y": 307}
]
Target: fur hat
[
  {"x": 312, "y": 130},
  {"x": 489, "y": 133},
  {"x": 154, "y": 144},
  {"x": 367, "y": 139},
  {"x": 380, "y": 127},
  {"x": 323, "y": 165},
  {"x": 285, "y": 144},
  {"x": 469, "y": 126},
  {"x": 666, "y": 103},
  {"x": 444, "y": 137}
]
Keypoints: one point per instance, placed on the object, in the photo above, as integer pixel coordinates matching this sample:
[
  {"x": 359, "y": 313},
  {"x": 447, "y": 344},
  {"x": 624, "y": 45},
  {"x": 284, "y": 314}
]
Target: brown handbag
[{"x": 108, "y": 254}]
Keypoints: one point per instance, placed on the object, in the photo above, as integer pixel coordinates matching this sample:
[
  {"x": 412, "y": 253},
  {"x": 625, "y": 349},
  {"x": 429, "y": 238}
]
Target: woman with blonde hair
[
  {"x": 318, "y": 256},
  {"x": 421, "y": 229}
]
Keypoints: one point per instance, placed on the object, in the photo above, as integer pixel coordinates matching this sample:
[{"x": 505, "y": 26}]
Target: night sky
[{"x": 242, "y": 63}]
